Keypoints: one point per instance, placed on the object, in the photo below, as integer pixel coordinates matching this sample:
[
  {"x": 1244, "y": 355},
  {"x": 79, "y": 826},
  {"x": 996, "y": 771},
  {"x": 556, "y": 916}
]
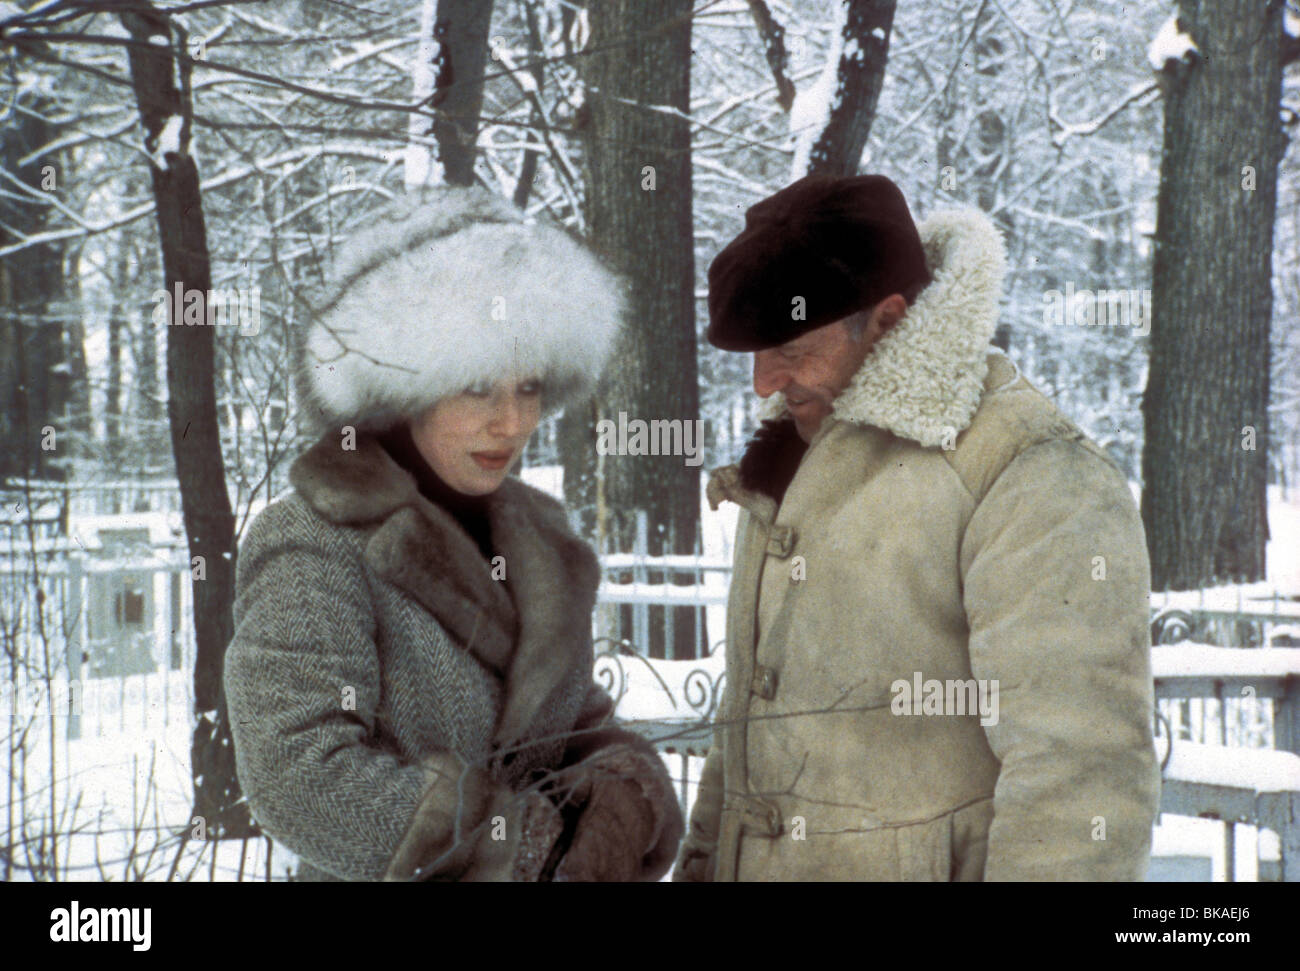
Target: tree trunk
[
  {"x": 1204, "y": 464},
  {"x": 32, "y": 294},
  {"x": 161, "y": 82},
  {"x": 113, "y": 392},
  {"x": 75, "y": 375},
  {"x": 146, "y": 392},
  {"x": 528, "y": 167},
  {"x": 638, "y": 213},
  {"x": 861, "y": 74},
  {"x": 462, "y": 30}
]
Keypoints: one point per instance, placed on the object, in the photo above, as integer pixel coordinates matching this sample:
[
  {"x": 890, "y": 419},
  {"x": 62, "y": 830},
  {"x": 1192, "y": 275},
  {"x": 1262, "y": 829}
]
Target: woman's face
[{"x": 472, "y": 439}]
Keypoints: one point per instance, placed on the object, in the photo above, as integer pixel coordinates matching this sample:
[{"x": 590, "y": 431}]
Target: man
[{"x": 938, "y": 658}]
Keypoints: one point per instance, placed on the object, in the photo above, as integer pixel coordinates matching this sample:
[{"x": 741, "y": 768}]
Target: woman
[{"x": 410, "y": 682}]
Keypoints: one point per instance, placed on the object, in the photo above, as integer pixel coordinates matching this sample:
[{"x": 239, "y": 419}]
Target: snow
[
  {"x": 131, "y": 764},
  {"x": 1257, "y": 770},
  {"x": 657, "y": 593},
  {"x": 1201, "y": 660},
  {"x": 163, "y": 528},
  {"x": 812, "y": 106},
  {"x": 1170, "y": 44},
  {"x": 130, "y": 770},
  {"x": 548, "y": 478},
  {"x": 656, "y": 690},
  {"x": 1265, "y": 599},
  {"x": 1185, "y": 836},
  {"x": 169, "y": 141},
  {"x": 1283, "y": 551},
  {"x": 421, "y": 167}
]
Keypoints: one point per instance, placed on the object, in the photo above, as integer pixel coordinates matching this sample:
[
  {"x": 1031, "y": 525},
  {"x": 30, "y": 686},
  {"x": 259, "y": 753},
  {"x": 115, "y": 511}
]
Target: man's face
[{"x": 815, "y": 367}]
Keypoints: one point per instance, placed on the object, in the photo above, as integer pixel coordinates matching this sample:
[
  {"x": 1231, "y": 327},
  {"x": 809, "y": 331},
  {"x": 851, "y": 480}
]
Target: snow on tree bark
[
  {"x": 860, "y": 75},
  {"x": 160, "y": 75}
]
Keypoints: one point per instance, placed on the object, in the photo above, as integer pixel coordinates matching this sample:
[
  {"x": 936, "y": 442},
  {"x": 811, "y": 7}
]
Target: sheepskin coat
[
  {"x": 946, "y": 523},
  {"x": 387, "y": 684}
]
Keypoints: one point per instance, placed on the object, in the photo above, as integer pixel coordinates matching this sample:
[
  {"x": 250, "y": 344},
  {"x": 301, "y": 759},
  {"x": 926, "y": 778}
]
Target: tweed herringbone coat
[
  {"x": 946, "y": 524},
  {"x": 393, "y": 694}
]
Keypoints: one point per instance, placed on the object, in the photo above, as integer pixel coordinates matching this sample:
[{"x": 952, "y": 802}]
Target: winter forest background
[{"x": 1138, "y": 153}]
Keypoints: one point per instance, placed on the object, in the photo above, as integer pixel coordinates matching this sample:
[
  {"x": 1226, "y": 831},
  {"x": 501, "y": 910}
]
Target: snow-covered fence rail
[
  {"x": 671, "y": 703},
  {"x": 122, "y": 705},
  {"x": 641, "y": 582},
  {"x": 117, "y": 631},
  {"x": 1258, "y": 787},
  {"x": 1231, "y": 781},
  {"x": 1245, "y": 615}
]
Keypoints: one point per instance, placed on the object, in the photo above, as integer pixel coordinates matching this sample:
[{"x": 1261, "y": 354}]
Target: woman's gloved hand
[
  {"x": 468, "y": 826},
  {"x": 628, "y": 820},
  {"x": 615, "y": 831}
]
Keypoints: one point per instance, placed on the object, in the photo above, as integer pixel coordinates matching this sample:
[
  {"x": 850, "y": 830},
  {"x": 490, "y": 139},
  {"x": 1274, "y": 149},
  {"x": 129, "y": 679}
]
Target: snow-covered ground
[{"x": 123, "y": 787}]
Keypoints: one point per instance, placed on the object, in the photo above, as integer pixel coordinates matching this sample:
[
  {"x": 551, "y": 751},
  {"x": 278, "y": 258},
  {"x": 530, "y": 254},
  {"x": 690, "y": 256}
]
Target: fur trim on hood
[
  {"x": 447, "y": 289},
  {"x": 926, "y": 376}
]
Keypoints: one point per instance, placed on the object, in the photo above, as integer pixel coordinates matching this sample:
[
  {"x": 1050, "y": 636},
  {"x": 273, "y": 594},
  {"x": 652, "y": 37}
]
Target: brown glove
[
  {"x": 468, "y": 826},
  {"x": 629, "y": 822},
  {"x": 613, "y": 835}
]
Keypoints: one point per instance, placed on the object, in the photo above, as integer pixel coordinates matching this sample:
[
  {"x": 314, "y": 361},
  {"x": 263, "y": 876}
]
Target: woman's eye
[
  {"x": 478, "y": 391},
  {"x": 531, "y": 388}
]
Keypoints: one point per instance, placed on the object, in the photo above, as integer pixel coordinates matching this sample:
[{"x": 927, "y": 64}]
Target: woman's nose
[
  {"x": 770, "y": 374},
  {"x": 507, "y": 416}
]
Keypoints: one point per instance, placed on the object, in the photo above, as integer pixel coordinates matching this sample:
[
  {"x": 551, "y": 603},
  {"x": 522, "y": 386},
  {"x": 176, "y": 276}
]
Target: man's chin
[{"x": 807, "y": 418}]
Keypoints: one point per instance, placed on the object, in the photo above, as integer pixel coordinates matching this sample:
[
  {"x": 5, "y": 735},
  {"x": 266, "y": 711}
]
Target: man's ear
[
  {"x": 884, "y": 315},
  {"x": 891, "y": 311}
]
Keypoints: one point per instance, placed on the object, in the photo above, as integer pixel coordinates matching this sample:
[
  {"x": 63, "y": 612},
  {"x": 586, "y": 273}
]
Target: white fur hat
[{"x": 452, "y": 288}]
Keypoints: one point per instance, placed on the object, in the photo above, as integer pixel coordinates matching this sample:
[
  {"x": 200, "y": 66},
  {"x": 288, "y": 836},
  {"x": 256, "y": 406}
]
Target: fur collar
[
  {"x": 926, "y": 376},
  {"x": 772, "y": 457},
  {"x": 533, "y": 628}
]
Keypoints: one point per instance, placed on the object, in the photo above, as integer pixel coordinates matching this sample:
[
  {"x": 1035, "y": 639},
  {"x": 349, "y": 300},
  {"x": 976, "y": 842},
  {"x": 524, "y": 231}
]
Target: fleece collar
[
  {"x": 923, "y": 380},
  {"x": 533, "y": 628},
  {"x": 758, "y": 482}
]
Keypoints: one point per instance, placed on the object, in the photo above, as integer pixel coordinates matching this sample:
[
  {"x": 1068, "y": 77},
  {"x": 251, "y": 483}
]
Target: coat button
[
  {"x": 780, "y": 541},
  {"x": 760, "y": 818},
  {"x": 763, "y": 683}
]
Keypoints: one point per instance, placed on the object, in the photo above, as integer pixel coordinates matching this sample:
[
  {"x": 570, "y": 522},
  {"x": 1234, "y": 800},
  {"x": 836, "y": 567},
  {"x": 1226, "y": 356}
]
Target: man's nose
[{"x": 770, "y": 373}]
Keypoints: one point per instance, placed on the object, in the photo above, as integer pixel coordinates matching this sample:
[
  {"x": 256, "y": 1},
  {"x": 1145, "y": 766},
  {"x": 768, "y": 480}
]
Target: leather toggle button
[
  {"x": 760, "y": 818},
  {"x": 763, "y": 683},
  {"x": 780, "y": 541}
]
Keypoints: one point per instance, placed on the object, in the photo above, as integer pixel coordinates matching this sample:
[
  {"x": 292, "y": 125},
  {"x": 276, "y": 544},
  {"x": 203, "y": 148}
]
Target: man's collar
[
  {"x": 924, "y": 379},
  {"x": 749, "y": 486}
]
